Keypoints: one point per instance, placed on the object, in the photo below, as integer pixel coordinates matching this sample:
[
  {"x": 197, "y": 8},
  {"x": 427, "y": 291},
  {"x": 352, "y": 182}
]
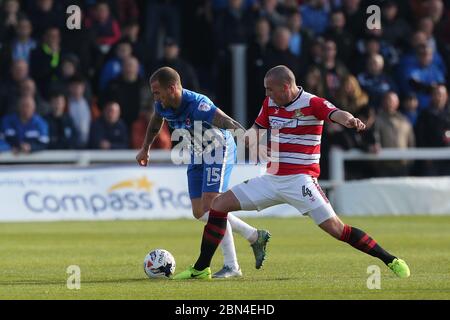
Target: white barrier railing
[
  {"x": 82, "y": 158},
  {"x": 339, "y": 156}
]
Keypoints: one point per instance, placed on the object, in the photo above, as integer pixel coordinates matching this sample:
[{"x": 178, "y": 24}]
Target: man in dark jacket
[
  {"x": 45, "y": 60},
  {"x": 433, "y": 129},
  {"x": 129, "y": 90},
  {"x": 62, "y": 131},
  {"x": 109, "y": 131},
  {"x": 171, "y": 58}
]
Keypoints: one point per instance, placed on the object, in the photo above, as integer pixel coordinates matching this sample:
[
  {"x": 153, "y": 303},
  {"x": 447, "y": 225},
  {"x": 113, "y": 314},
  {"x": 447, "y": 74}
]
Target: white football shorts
[{"x": 300, "y": 191}]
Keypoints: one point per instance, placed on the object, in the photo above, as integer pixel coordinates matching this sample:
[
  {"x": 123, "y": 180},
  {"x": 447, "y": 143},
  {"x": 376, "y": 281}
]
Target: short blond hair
[{"x": 166, "y": 77}]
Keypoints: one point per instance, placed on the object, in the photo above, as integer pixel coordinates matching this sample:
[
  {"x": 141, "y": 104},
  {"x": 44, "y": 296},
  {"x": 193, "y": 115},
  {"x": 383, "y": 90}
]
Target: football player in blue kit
[{"x": 184, "y": 109}]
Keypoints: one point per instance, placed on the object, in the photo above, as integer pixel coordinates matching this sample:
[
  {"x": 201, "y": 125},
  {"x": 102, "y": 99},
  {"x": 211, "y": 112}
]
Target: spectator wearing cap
[
  {"x": 109, "y": 131},
  {"x": 171, "y": 58},
  {"x": 62, "y": 131},
  {"x": 25, "y": 131}
]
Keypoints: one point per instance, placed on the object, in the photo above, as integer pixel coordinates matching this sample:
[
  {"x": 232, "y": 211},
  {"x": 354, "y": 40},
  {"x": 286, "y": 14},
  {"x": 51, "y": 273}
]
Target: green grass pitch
[{"x": 303, "y": 262}]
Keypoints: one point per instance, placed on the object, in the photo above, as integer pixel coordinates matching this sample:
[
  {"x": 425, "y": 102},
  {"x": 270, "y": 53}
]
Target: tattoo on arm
[
  {"x": 153, "y": 128},
  {"x": 222, "y": 121}
]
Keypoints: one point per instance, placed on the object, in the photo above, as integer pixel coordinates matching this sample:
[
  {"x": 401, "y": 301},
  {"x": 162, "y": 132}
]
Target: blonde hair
[
  {"x": 351, "y": 101},
  {"x": 166, "y": 77}
]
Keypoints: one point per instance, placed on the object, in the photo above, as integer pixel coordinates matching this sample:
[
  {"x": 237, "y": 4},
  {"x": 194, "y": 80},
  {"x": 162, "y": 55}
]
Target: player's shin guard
[
  {"x": 212, "y": 236},
  {"x": 363, "y": 242}
]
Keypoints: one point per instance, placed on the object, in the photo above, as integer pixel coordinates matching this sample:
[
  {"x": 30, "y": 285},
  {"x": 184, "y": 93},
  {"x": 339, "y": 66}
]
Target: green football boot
[
  {"x": 191, "y": 273},
  {"x": 259, "y": 247},
  {"x": 400, "y": 268}
]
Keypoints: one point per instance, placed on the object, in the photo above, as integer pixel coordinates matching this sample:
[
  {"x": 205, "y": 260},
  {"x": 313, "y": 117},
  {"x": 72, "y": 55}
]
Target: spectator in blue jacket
[
  {"x": 109, "y": 131},
  {"x": 4, "y": 146},
  {"x": 421, "y": 75},
  {"x": 316, "y": 16},
  {"x": 113, "y": 67},
  {"x": 24, "y": 130},
  {"x": 375, "y": 81}
]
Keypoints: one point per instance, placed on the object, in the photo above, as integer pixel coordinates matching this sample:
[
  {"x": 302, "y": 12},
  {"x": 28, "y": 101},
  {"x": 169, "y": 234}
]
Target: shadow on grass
[{"x": 135, "y": 280}]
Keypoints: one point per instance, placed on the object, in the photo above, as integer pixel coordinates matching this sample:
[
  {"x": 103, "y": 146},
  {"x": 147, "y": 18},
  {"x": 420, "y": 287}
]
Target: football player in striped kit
[
  {"x": 183, "y": 110},
  {"x": 297, "y": 117}
]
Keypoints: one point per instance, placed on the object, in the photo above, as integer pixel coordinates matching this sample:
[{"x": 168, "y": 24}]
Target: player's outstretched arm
[
  {"x": 153, "y": 128},
  {"x": 222, "y": 121},
  {"x": 347, "y": 120}
]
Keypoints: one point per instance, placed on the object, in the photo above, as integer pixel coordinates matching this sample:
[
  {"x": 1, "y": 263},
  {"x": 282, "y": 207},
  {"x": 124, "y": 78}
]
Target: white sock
[
  {"x": 244, "y": 229},
  {"x": 227, "y": 245}
]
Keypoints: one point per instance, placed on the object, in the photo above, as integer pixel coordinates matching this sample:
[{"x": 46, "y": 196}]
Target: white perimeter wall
[
  {"x": 160, "y": 192},
  {"x": 394, "y": 196}
]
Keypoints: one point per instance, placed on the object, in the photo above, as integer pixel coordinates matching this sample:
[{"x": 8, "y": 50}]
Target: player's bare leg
[{"x": 363, "y": 242}]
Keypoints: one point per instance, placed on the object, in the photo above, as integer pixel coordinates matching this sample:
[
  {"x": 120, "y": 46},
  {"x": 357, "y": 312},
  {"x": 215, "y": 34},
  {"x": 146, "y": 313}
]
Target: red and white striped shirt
[{"x": 298, "y": 131}]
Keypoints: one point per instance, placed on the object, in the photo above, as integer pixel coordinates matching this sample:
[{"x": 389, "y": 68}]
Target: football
[{"x": 159, "y": 263}]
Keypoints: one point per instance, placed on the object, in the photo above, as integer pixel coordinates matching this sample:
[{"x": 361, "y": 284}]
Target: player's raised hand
[
  {"x": 355, "y": 123},
  {"x": 143, "y": 157}
]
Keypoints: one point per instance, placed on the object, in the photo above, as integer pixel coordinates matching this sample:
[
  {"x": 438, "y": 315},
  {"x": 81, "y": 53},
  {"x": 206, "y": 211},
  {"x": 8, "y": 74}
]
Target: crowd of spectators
[{"x": 77, "y": 89}]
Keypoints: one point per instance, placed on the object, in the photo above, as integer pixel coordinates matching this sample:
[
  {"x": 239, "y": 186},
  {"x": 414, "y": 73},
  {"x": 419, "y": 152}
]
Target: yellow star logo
[{"x": 141, "y": 183}]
